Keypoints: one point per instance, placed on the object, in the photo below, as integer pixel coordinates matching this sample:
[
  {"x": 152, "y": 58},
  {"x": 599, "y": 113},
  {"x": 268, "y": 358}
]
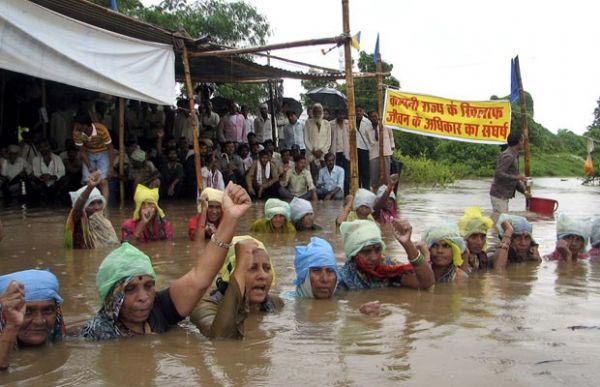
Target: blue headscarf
[
  {"x": 40, "y": 285},
  {"x": 318, "y": 253}
]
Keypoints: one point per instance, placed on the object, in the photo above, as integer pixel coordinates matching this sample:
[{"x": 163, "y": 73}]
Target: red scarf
[{"x": 383, "y": 271}]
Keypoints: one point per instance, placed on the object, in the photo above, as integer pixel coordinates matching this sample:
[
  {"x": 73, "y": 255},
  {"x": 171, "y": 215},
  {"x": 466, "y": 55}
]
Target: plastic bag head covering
[
  {"x": 318, "y": 253},
  {"x": 145, "y": 194},
  {"x": 449, "y": 233},
  {"x": 94, "y": 195},
  {"x": 138, "y": 155},
  {"x": 358, "y": 234},
  {"x": 123, "y": 262},
  {"x": 212, "y": 195},
  {"x": 300, "y": 207},
  {"x": 363, "y": 197},
  {"x": 595, "y": 235},
  {"x": 473, "y": 222},
  {"x": 277, "y": 207},
  {"x": 381, "y": 191},
  {"x": 520, "y": 225},
  {"x": 566, "y": 225},
  {"x": 229, "y": 264},
  {"x": 40, "y": 285}
]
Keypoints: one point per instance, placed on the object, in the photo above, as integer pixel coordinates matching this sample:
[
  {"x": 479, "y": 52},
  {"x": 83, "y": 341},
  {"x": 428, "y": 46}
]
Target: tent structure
[{"x": 42, "y": 43}]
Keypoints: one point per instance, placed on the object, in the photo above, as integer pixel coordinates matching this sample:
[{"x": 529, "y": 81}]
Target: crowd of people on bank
[{"x": 234, "y": 274}]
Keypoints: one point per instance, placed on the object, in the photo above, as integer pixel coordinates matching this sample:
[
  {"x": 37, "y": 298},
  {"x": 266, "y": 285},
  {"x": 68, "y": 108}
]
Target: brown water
[{"x": 504, "y": 329}]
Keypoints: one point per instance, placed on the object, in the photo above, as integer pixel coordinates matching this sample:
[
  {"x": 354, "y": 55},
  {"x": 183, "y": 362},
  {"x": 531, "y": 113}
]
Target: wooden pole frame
[
  {"x": 122, "y": 150},
  {"x": 524, "y": 123},
  {"x": 350, "y": 96},
  {"x": 380, "y": 121},
  {"x": 195, "y": 133},
  {"x": 269, "y": 47}
]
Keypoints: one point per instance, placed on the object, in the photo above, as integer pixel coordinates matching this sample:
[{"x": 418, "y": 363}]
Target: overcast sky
[{"x": 461, "y": 49}]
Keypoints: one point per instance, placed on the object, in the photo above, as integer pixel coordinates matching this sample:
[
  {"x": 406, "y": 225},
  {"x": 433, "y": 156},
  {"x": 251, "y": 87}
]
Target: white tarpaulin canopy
[{"x": 48, "y": 45}]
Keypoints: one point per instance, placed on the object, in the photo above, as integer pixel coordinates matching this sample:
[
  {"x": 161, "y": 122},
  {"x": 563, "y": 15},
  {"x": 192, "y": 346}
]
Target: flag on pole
[
  {"x": 113, "y": 5},
  {"x": 356, "y": 41},
  {"x": 376, "y": 54},
  {"x": 514, "y": 83}
]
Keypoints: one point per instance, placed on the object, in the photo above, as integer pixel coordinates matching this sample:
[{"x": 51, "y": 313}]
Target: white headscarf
[
  {"x": 300, "y": 207},
  {"x": 363, "y": 197},
  {"x": 94, "y": 195}
]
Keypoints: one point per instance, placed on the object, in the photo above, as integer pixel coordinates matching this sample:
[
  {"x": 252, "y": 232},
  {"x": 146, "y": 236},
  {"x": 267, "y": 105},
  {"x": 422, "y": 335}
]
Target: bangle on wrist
[
  {"x": 219, "y": 243},
  {"x": 418, "y": 261}
]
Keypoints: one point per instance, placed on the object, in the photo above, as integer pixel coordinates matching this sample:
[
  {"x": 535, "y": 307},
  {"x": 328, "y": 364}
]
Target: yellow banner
[{"x": 484, "y": 122}]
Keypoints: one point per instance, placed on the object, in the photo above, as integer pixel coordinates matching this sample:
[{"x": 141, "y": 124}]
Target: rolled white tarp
[{"x": 45, "y": 44}]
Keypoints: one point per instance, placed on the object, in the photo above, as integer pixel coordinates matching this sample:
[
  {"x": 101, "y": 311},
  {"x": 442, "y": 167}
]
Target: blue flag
[
  {"x": 113, "y": 5},
  {"x": 376, "y": 54},
  {"x": 514, "y": 83}
]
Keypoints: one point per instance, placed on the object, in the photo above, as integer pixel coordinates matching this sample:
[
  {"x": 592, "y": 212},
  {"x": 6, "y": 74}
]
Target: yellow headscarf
[
  {"x": 212, "y": 195},
  {"x": 473, "y": 222},
  {"x": 229, "y": 264},
  {"x": 145, "y": 194}
]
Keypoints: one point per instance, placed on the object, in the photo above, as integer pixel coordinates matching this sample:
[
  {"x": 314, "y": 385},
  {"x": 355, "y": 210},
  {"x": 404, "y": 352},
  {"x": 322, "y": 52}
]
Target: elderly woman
[
  {"x": 303, "y": 215},
  {"x": 572, "y": 237},
  {"x": 367, "y": 268},
  {"x": 276, "y": 220},
  {"x": 87, "y": 227},
  {"x": 316, "y": 270},
  {"x": 210, "y": 212},
  {"x": 516, "y": 241},
  {"x": 148, "y": 222},
  {"x": 243, "y": 288},
  {"x": 473, "y": 227},
  {"x": 359, "y": 206},
  {"x": 595, "y": 239},
  {"x": 385, "y": 208},
  {"x": 446, "y": 248},
  {"x": 30, "y": 311},
  {"x": 131, "y": 306}
]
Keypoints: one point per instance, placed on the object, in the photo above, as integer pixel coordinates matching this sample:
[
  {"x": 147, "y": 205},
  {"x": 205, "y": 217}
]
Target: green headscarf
[
  {"x": 358, "y": 234},
  {"x": 123, "y": 262},
  {"x": 277, "y": 207},
  {"x": 450, "y": 234}
]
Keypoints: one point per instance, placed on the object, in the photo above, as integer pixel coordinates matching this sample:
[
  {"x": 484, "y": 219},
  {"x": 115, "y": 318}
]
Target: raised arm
[
  {"x": 423, "y": 277},
  {"x": 380, "y": 203},
  {"x": 13, "y": 311},
  {"x": 345, "y": 211},
  {"x": 501, "y": 254},
  {"x": 187, "y": 290}
]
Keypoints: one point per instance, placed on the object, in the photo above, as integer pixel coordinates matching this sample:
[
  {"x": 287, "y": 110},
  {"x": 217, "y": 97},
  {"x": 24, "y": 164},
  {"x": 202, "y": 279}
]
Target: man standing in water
[{"x": 507, "y": 179}]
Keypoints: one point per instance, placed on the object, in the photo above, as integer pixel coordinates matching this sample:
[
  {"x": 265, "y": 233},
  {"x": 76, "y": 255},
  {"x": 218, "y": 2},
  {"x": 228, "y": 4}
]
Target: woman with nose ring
[
  {"x": 367, "y": 268},
  {"x": 446, "y": 249},
  {"x": 243, "y": 288}
]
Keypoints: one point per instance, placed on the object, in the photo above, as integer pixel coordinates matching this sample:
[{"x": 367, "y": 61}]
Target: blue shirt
[
  {"x": 294, "y": 134},
  {"x": 329, "y": 180}
]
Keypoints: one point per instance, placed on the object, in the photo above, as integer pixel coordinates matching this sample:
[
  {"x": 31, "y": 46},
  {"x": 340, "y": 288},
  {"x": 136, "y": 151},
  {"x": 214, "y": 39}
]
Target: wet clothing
[
  {"x": 159, "y": 229},
  {"x": 386, "y": 215},
  {"x": 193, "y": 224},
  {"x": 481, "y": 261},
  {"x": 264, "y": 225},
  {"x": 352, "y": 278},
  {"x": 223, "y": 313}
]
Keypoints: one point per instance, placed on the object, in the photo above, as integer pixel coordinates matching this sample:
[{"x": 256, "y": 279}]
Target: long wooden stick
[
  {"x": 121, "y": 151},
  {"x": 190, "y": 95},
  {"x": 350, "y": 95},
  {"x": 380, "y": 128},
  {"x": 299, "y": 63},
  {"x": 524, "y": 124},
  {"x": 270, "y": 47}
]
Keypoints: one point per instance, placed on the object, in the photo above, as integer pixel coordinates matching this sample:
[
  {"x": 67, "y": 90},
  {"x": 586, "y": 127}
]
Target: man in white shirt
[
  {"x": 48, "y": 170},
  {"x": 262, "y": 125},
  {"x": 363, "y": 126},
  {"x": 293, "y": 132},
  {"x": 14, "y": 174},
  {"x": 340, "y": 145},
  {"x": 209, "y": 120},
  {"x": 249, "y": 122},
  {"x": 330, "y": 184},
  {"x": 317, "y": 139}
]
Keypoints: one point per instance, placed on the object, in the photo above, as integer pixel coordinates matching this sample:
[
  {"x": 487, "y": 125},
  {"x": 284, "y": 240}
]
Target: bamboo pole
[
  {"x": 335, "y": 71},
  {"x": 270, "y": 47},
  {"x": 271, "y": 107},
  {"x": 350, "y": 96},
  {"x": 524, "y": 124},
  {"x": 190, "y": 95},
  {"x": 122, "y": 150},
  {"x": 380, "y": 122}
]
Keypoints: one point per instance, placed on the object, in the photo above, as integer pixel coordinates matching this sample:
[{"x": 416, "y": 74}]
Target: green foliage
[
  {"x": 555, "y": 164},
  {"x": 423, "y": 171},
  {"x": 596, "y": 122}
]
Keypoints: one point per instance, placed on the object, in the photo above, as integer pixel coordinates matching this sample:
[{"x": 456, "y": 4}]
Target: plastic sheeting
[{"x": 44, "y": 44}]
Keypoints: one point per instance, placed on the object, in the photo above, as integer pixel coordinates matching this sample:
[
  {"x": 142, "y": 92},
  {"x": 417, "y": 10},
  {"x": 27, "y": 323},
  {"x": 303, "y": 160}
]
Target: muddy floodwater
[{"x": 533, "y": 325}]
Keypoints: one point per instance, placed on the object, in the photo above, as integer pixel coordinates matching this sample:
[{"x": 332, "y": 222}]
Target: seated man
[
  {"x": 48, "y": 172},
  {"x": 262, "y": 179},
  {"x": 331, "y": 180},
  {"x": 30, "y": 311},
  {"x": 230, "y": 164},
  {"x": 172, "y": 175},
  {"x": 15, "y": 175},
  {"x": 297, "y": 182}
]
